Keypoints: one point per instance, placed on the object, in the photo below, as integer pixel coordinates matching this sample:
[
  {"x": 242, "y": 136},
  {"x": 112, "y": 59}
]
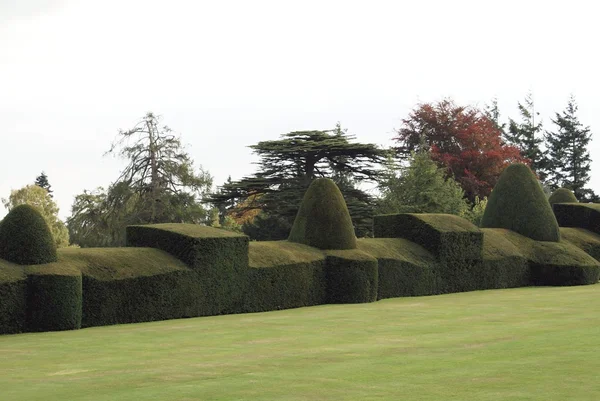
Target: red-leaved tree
[{"x": 462, "y": 139}]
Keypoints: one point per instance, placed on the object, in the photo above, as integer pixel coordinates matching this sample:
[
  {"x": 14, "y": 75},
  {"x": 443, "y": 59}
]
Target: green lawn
[{"x": 517, "y": 344}]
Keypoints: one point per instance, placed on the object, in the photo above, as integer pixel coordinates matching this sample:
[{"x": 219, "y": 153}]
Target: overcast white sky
[{"x": 227, "y": 74}]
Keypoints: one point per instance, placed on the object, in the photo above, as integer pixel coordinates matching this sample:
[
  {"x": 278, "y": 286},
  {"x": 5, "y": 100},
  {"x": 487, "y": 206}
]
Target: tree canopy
[
  {"x": 158, "y": 185},
  {"x": 462, "y": 139},
  {"x": 420, "y": 187},
  {"x": 288, "y": 165},
  {"x": 569, "y": 157},
  {"x": 40, "y": 199}
]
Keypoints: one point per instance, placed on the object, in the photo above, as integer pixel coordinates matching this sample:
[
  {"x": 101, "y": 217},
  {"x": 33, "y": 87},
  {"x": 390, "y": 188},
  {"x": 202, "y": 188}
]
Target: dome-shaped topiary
[
  {"x": 25, "y": 237},
  {"x": 323, "y": 220},
  {"x": 562, "y": 195},
  {"x": 518, "y": 203}
]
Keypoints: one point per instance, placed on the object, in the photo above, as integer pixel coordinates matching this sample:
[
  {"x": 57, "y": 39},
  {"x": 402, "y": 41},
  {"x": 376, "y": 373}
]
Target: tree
[
  {"x": 492, "y": 111},
  {"x": 42, "y": 182},
  {"x": 287, "y": 167},
  {"x": 420, "y": 187},
  {"x": 461, "y": 139},
  {"x": 41, "y": 200},
  {"x": 527, "y": 136},
  {"x": 158, "y": 185},
  {"x": 569, "y": 157}
]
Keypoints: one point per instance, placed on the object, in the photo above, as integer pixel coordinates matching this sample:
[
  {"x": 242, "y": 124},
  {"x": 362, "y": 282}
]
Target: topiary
[
  {"x": 25, "y": 237},
  {"x": 323, "y": 220},
  {"x": 562, "y": 195},
  {"x": 519, "y": 204}
]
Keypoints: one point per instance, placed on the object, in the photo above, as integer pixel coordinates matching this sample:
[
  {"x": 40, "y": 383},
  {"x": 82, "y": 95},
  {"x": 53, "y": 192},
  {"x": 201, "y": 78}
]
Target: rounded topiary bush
[
  {"x": 562, "y": 195},
  {"x": 518, "y": 203},
  {"x": 25, "y": 237},
  {"x": 323, "y": 220}
]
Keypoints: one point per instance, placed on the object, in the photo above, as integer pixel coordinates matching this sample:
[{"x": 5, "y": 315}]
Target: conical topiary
[
  {"x": 323, "y": 220},
  {"x": 25, "y": 237},
  {"x": 562, "y": 195},
  {"x": 518, "y": 203}
]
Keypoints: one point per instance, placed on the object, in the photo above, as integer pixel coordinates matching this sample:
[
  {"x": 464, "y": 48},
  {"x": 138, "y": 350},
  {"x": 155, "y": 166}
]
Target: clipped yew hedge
[
  {"x": 13, "y": 298},
  {"x": 580, "y": 215},
  {"x": 404, "y": 267},
  {"x": 351, "y": 276},
  {"x": 562, "y": 195},
  {"x": 25, "y": 237},
  {"x": 219, "y": 259},
  {"x": 518, "y": 203},
  {"x": 284, "y": 275},
  {"x": 54, "y": 299}
]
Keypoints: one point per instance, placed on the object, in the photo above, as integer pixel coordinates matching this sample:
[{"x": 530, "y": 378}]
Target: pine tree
[
  {"x": 569, "y": 156},
  {"x": 492, "y": 112},
  {"x": 288, "y": 165},
  {"x": 528, "y": 136},
  {"x": 42, "y": 182}
]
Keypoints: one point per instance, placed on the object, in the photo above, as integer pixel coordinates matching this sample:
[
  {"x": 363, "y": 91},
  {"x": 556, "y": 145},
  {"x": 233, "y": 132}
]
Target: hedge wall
[
  {"x": 351, "y": 276},
  {"x": 504, "y": 265},
  {"x": 455, "y": 242},
  {"x": 13, "y": 298},
  {"x": 218, "y": 257},
  {"x": 54, "y": 298},
  {"x": 404, "y": 268},
  {"x": 580, "y": 215},
  {"x": 584, "y": 239},
  {"x": 284, "y": 275}
]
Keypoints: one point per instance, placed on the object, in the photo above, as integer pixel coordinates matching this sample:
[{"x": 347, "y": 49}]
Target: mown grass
[{"x": 517, "y": 344}]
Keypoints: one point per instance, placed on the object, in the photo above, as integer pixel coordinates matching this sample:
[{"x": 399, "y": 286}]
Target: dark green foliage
[
  {"x": 42, "y": 182},
  {"x": 504, "y": 265},
  {"x": 129, "y": 285},
  {"x": 267, "y": 228},
  {"x": 455, "y": 242},
  {"x": 323, "y": 220},
  {"x": 13, "y": 298},
  {"x": 404, "y": 268},
  {"x": 562, "y": 195},
  {"x": 288, "y": 165},
  {"x": 527, "y": 136},
  {"x": 569, "y": 155},
  {"x": 562, "y": 264},
  {"x": 351, "y": 277},
  {"x": 518, "y": 203},
  {"x": 584, "y": 239},
  {"x": 444, "y": 235},
  {"x": 219, "y": 258},
  {"x": 25, "y": 237},
  {"x": 54, "y": 300},
  {"x": 284, "y": 275},
  {"x": 581, "y": 215}
]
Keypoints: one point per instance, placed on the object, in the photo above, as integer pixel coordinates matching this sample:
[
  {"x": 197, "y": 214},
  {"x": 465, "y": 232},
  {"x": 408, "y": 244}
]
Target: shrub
[
  {"x": 25, "y": 237},
  {"x": 404, "y": 268},
  {"x": 284, "y": 275},
  {"x": 562, "y": 195},
  {"x": 580, "y": 215},
  {"x": 504, "y": 265},
  {"x": 13, "y": 296},
  {"x": 351, "y": 277},
  {"x": 54, "y": 299},
  {"x": 323, "y": 220},
  {"x": 518, "y": 203},
  {"x": 219, "y": 259},
  {"x": 583, "y": 239}
]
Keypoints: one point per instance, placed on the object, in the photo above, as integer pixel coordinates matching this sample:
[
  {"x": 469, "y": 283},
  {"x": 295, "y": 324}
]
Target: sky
[{"x": 228, "y": 74}]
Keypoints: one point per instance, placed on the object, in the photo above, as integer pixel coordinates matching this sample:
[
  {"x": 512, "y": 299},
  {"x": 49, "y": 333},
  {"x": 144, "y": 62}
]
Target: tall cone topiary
[
  {"x": 518, "y": 203},
  {"x": 562, "y": 195},
  {"x": 25, "y": 237},
  {"x": 323, "y": 220}
]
